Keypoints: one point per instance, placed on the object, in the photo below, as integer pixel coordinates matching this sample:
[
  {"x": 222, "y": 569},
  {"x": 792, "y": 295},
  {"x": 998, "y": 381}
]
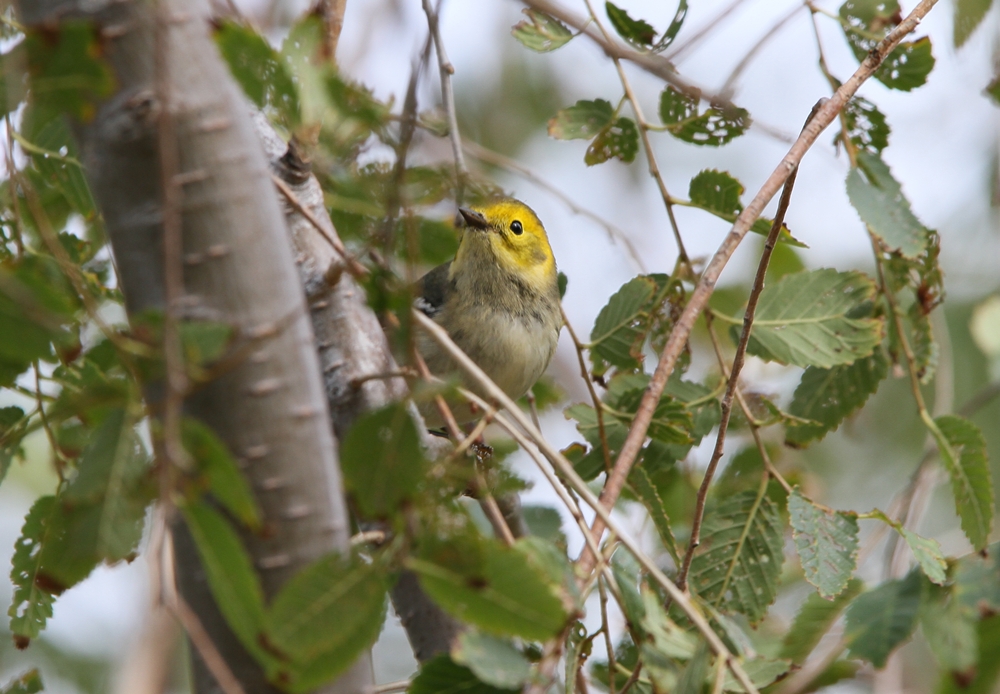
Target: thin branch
[
  {"x": 605, "y": 627},
  {"x": 699, "y": 298},
  {"x": 678, "y": 50},
  {"x": 333, "y": 24},
  {"x": 734, "y": 374},
  {"x": 565, "y": 468},
  {"x": 615, "y": 233},
  {"x": 594, "y": 397},
  {"x": 400, "y": 686},
  {"x": 210, "y": 655},
  {"x": 727, "y": 86},
  {"x": 448, "y": 97}
]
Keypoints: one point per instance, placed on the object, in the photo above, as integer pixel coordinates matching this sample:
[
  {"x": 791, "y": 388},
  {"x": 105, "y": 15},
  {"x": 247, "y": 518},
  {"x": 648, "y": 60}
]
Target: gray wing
[{"x": 432, "y": 289}]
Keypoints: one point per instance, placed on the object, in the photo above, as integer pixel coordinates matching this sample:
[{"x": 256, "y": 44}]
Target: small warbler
[{"x": 498, "y": 300}]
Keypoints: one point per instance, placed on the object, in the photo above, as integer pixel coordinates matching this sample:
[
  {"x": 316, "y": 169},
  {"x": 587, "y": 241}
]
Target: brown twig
[
  {"x": 605, "y": 627},
  {"x": 699, "y": 298},
  {"x": 448, "y": 97},
  {"x": 210, "y": 655},
  {"x": 734, "y": 373},
  {"x": 333, "y": 24}
]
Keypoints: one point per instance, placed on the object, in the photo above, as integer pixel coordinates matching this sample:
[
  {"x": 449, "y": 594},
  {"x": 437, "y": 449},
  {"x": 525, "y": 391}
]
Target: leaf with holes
[
  {"x": 617, "y": 140},
  {"x": 803, "y": 319},
  {"x": 867, "y": 128},
  {"x": 581, "y": 121},
  {"x": 618, "y": 333},
  {"x": 963, "y": 452},
  {"x": 827, "y": 543},
  {"x": 866, "y": 22},
  {"x": 881, "y": 619},
  {"x": 637, "y": 32},
  {"x": 880, "y": 202},
  {"x": 827, "y": 397},
  {"x": 716, "y": 192},
  {"x": 675, "y": 26},
  {"x": 31, "y": 606},
  {"x": 323, "y": 617},
  {"x": 382, "y": 461},
  {"x": 28, "y": 683},
  {"x": 713, "y": 127},
  {"x": 814, "y": 619},
  {"x": 738, "y": 562},
  {"x": 541, "y": 33}
]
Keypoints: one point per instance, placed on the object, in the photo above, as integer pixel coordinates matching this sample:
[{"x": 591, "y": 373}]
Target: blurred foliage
[{"x": 77, "y": 381}]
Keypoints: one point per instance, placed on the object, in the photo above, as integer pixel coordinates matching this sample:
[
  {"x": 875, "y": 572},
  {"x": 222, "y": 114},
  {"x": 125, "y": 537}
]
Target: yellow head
[{"x": 510, "y": 232}]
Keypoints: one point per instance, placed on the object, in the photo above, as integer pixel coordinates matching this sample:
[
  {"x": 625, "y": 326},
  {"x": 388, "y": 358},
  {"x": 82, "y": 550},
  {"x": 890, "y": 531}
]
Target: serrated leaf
[
  {"x": 880, "y": 202},
  {"x": 637, "y": 32},
  {"x": 675, "y": 26},
  {"x": 977, "y": 581},
  {"x": 881, "y": 619},
  {"x": 442, "y": 675},
  {"x": 625, "y": 572},
  {"x": 867, "y": 127},
  {"x": 493, "y": 661},
  {"x": 619, "y": 140},
  {"x": 761, "y": 671},
  {"x": 617, "y": 335},
  {"x": 968, "y": 16},
  {"x": 950, "y": 631},
  {"x": 324, "y": 617},
  {"x": 802, "y": 319},
  {"x": 984, "y": 678},
  {"x": 713, "y": 127},
  {"x": 828, "y": 396},
  {"x": 866, "y": 22},
  {"x": 814, "y": 619},
  {"x": 223, "y": 477},
  {"x": 582, "y": 121},
  {"x": 827, "y": 543},
  {"x": 644, "y": 489},
  {"x": 492, "y": 586},
  {"x": 666, "y": 640},
  {"x": 543, "y": 34},
  {"x": 31, "y": 606},
  {"x": 739, "y": 560},
  {"x": 717, "y": 192},
  {"x": 382, "y": 461},
  {"x": 963, "y": 453},
  {"x": 230, "y": 573},
  {"x": 28, "y": 683},
  {"x": 692, "y": 677},
  {"x": 926, "y": 551}
]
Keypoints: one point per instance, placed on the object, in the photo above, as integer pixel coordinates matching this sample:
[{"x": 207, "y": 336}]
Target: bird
[{"x": 498, "y": 300}]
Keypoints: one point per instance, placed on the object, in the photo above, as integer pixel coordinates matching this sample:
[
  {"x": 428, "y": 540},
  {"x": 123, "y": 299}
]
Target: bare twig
[
  {"x": 565, "y": 468},
  {"x": 448, "y": 96},
  {"x": 615, "y": 233},
  {"x": 594, "y": 397},
  {"x": 606, "y": 628},
  {"x": 699, "y": 298},
  {"x": 727, "y": 86},
  {"x": 678, "y": 50},
  {"x": 210, "y": 655},
  {"x": 333, "y": 23}
]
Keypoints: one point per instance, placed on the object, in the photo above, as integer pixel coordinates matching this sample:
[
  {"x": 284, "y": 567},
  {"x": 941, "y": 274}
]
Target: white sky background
[{"x": 943, "y": 144}]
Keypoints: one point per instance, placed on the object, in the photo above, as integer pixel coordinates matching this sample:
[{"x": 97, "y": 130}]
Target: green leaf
[
  {"x": 880, "y": 202},
  {"x": 644, "y": 489},
  {"x": 969, "y": 15},
  {"x": 618, "y": 333},
  {"x": 619, "y": 139},
  {"x": 543, "y": 34},
  {"x": 626, "y": 574},
  {"x": 54, "y": 153},
  {"x": 637, "y": 32},
  {"x": 867, "y": 127},
  {"x": 495, "y": 587},
  {"x": 814, "y": 619},
  {"x": 28, "y": 683},
  {"x": 111, "y": 477},
  {"x": 692, "y": 677},
  {"x": 761, "y": 671},
  {"x": 927, "y": 552},
  {"x": 582, "y": 121},
  {"x": 739, "y": 560},
  {"x": 963, "y": 453},
  {"x": 713, "y": 127},
  {"x": 950, "y": 631},
  {"x": 436, "y": 241},
  {"x": 230, "y": 573},
  {"x": 976, "y": 584},
  {"x": 493, "y": 661},
  {"x": 13, "y": 77},
  {"x": 881, "y": 619},
  {"x": 32, "y": 605},
  {"x": 443, "y": 676},
  {"x": 983, "y": 679},
  {"x": 382, "y": 461},
  {"x": 866, "y": 22},
  {"x": 11, "y": 434},
  {"x": 675, "y": 26},
  {"x": 665, "y": 639},
  {"x": 717, "y": 192},
  {"x": 545, "y": 522},
  {"x": 324, "y": 617},
  {"x": 992, "y": 89},
  {"x": 67, "y": 72},
  {"x": 828, "y": 396},
  {"x": 222, "y": 476},
  {"x": 204, "y": 342},
  {"x": 827, "y": 543},
  {"x": 803, "y": 320}
]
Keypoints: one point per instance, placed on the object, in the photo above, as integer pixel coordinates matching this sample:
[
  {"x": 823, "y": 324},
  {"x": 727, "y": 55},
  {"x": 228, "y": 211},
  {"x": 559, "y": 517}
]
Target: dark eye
[{"x": 516, "y": 227}]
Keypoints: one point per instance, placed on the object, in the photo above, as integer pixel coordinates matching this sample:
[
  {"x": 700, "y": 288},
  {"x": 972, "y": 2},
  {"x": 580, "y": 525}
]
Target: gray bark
[{"x": 270, "y": 409}]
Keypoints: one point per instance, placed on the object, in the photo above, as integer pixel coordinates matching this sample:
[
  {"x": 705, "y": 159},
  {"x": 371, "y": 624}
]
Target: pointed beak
[{"x": 473, "y": 219}]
